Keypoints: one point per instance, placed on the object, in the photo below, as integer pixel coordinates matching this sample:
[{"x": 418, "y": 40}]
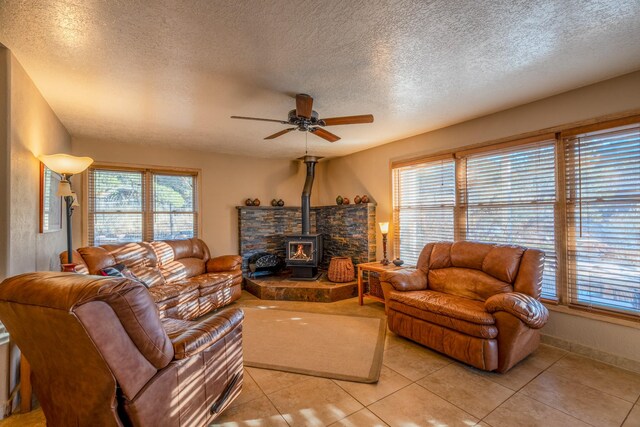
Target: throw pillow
[{"x": 120, "y": 270}]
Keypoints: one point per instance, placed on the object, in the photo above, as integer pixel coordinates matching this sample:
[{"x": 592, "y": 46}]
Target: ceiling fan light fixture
[{"x": 306, "y": 119}]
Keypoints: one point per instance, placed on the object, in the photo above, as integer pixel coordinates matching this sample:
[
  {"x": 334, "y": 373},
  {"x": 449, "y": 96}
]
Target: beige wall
[
  {"x": 227, "y": 181},
  {"x": 29, "y": 128},
  {"x": 33, "y": 130},
  {"x": 369, "y": 172},
  {"x": 4, "y": 163}
]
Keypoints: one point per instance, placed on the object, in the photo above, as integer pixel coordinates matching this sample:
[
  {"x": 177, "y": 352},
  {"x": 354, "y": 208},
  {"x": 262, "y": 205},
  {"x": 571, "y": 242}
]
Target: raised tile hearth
[{"x": 279, "y": 287}]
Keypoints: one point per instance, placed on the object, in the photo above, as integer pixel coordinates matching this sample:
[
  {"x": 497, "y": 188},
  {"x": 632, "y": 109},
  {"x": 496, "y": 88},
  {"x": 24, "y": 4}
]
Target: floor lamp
[{"x": 66, "y": 166}]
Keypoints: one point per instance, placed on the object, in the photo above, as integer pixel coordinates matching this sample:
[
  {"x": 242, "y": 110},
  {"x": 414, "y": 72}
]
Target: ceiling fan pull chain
[{"x": 306, "y": 143}]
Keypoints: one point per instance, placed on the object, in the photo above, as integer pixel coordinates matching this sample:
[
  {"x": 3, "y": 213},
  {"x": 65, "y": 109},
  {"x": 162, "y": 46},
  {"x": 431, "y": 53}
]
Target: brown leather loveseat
[
  {"x": 101, "y": 356},
  {"x": 183, "y": 280},
  {"x": 476, "y": 302}
]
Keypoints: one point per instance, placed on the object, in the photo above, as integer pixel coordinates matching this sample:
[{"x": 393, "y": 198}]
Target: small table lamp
[
  {"x": 384, "y": 229},
  {"x": 66, "y": 166}
]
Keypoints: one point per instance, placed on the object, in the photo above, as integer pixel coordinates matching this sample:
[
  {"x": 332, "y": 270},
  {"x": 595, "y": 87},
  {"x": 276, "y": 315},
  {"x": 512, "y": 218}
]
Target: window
[
  {"x": 128, "y": 205},
  {"x": 423, "y": 204},
  {"x": 603, "y": 215},
  {"x": 573, "y": 194},
  {"x": 509, "y": 196}
]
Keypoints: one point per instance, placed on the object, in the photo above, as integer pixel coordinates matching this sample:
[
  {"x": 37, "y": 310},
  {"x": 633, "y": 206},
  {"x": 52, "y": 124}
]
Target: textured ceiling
[{"x": 172, "y": 72}]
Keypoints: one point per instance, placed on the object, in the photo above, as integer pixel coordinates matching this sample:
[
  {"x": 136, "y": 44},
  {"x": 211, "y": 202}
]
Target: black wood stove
[{"x": 304, "y": 251}]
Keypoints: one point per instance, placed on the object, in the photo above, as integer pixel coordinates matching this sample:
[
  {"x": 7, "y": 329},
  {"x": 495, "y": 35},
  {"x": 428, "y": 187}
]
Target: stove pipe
[{"x": 306, "y": 192}]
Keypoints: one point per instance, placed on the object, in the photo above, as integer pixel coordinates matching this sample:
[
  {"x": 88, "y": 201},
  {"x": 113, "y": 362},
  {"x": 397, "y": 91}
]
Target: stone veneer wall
[{"x": 348, "y": 230}]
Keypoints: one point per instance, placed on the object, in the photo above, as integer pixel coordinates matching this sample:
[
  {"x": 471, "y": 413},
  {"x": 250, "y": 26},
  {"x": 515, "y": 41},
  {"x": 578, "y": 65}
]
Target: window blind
[
  {"x": 174, "y": 215},
  {"x": 509, "y": 196},
  {"x": 135, "y": 205},
  {"x": 603, "y": 219},
  {"x": 115, "y": 206},
  {"x": 423, "y": 206}
]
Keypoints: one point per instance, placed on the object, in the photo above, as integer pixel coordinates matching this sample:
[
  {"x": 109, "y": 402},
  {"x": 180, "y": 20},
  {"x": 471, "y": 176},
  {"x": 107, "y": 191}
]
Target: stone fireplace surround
[{"x": 348, "y": 230}]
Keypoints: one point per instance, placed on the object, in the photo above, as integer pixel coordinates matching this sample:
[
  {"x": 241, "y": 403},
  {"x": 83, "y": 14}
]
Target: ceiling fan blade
[
  {"x": 282, "y": 132},
  {"x": 325, "y": 134},
  {"x": 347, "y": 120},
  {"x": 262, "y": 120},
  {"x": 304, "y": 105}
]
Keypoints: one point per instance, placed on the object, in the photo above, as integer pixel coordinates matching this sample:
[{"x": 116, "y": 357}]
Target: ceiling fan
[{"x": 305, "y": 119}]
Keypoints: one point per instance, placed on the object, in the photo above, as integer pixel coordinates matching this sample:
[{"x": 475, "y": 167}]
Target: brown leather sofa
[
  {"x": 101, "y": 356},
  {"x": 183, "y": 280},
  {"x": 476, "y": 302}
]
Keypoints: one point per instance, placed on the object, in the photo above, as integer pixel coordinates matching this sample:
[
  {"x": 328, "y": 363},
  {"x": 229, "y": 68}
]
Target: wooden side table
[{"x": 364, "y": 285}]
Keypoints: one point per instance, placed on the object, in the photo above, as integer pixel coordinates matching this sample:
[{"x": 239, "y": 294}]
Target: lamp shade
[
  {"x": 384, "y": 227},
  {"x": 65, "y": 164},
  {"x": 75, "y": 202},
  {"x": 64, "y": 189}
]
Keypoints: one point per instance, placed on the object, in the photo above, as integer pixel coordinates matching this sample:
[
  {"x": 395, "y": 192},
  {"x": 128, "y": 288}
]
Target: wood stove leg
[{"x": 25, "y": 385}]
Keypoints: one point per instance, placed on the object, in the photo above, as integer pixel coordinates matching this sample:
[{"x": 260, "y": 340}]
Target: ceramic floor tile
[
  {"x": 362, "y": 418},
  {"x": 315, "y": 402},
  {"x": 414, "y": 361},
  {"x": 516, "y": 378},
  {"x": 619, "y": 382},
  {"x": 633, "y": 419},
  {"x": 580, "y": 401},
  {"x": 259, "y": 412},
  {"x": 389, "y": 382},
  {"x": 392, "y": 340},
  {"x": 250, "y": 390},
  {"x": 416, "y": 406},
  {"x": 271, "y": 380},
  {"x": 520, "y": 410},
  {"x": 466, "y": 389},
  {"x": 545, "y": 356}
]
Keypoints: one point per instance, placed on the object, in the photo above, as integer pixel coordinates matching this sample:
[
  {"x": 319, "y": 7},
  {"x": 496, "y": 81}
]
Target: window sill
[{"x": 594, "y": 316}]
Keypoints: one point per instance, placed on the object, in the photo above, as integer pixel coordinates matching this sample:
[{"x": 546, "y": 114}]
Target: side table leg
[
  {"x": 360, "y": 286},
  {"x": 25, "y": 385}
]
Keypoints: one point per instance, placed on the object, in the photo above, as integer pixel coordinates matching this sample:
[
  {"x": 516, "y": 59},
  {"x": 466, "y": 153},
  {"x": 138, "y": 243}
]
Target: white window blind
[
  {"x": 134, "y": 205},
  {"x": 174, "y": 215},
  {"x": 423, "y": 206},
  {"x": 115, "y": 206},
  {"x": 603, "y": 215},
  {"x": 509, "y": 196}
]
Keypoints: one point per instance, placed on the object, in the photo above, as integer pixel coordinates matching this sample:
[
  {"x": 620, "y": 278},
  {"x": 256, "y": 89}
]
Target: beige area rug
[{"x": 324, "y": 345}]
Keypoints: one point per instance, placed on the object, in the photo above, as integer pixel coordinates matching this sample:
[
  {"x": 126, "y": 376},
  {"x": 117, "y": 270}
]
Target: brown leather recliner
[
  {"x": 476, "y": 302},
  {"x": 101, "y": 356}
]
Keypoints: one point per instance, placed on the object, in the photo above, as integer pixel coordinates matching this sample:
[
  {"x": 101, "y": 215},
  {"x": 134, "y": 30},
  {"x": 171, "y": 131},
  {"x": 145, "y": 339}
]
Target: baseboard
[{"x": 592, "y": 353}]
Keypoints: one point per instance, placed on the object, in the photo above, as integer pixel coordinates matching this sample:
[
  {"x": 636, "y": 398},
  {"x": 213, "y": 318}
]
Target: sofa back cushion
[
  {"x": 466, "y": 282},
  {"x": 180, "y": 259},
  {"x": 473, "y": 270}
]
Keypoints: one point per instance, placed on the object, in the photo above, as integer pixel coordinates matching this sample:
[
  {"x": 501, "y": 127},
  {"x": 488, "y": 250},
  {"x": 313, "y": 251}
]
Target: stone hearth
[{"x": 277, "y": 287}]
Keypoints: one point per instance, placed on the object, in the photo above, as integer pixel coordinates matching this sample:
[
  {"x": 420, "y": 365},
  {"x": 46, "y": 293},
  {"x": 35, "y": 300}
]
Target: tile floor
[{"x": 419, "y": 387}]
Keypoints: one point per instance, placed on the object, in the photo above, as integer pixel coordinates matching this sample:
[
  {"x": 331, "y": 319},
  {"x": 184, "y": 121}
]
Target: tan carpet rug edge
[{"x": 336, "y": 346}]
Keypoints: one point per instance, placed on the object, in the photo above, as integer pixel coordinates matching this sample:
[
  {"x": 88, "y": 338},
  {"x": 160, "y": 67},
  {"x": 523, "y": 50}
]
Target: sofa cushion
[
  {"x": 500, "y": 261},
  {"x": 469, "y": 254},
  {"x": 466, "y": 282},
  {"x": 446, "y": 305},
  {"x": 132, "y": 254},
  {"x": 172, "y": 290},
  {"x": 96, "y": 258},
  {"x": 182, "y": 269},
  {"x": 467, "y": 328},
  {"x": 215, "y": 281}
]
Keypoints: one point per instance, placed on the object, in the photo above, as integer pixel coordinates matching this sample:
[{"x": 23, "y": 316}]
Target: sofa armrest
[
  {"x": 224, "y": 263},
  {"x": 203, "y": 334},
  {"x": 405, "y": 279},
  {"x": 526, "y": 308}
]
